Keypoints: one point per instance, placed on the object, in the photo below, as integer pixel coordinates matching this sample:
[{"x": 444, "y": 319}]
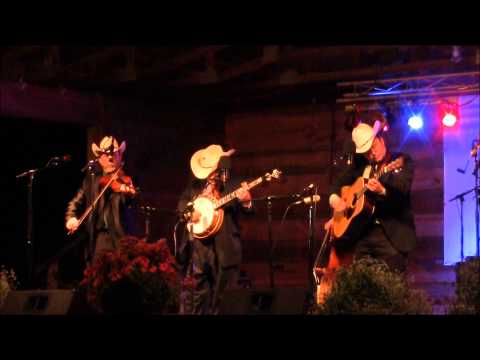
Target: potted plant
[
  {"x": 369, "y": 287},
  {"x": 467, "y": 287},
  {"x": 139, "y": 277}
]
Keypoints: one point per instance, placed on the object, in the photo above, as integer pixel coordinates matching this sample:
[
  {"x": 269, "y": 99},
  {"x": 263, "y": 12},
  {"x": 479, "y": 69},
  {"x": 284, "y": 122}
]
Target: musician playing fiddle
[
  {"x": 109, "y": 221},
  {"x": 390, "y": 235},
  {"x": 212, "y": 262}
]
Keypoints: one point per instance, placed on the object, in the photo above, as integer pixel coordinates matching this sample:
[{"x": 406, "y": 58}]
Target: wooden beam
[
  {"x": 19, "y": 51},
  {"x": 370, "y": 72},
  {"x": 270, "y": 55},
  {"x": 10, "y": 59},
  {"x": 166, "y": 65},
  {"x": 99, "y": 56}
]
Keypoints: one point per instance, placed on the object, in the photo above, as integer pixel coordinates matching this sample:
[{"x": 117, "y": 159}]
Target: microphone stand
[
  {"x": 312, "y": 209},
  {"x": 477, "y": 199},
  {"x": 147, "y": 211},
  {"x": 270, "y": 242},
  {"x": 30, "y": 241},
  {"x": 271, "y": 264},
  {"x": 461, "y": 197},
  {"x": 30, "y": 254},
  {"x": 91, "y": 226}
]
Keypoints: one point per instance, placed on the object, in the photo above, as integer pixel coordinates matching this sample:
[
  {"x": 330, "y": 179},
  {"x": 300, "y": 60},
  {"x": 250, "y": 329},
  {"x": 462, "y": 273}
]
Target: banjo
[{"x": 211, "y": 211}]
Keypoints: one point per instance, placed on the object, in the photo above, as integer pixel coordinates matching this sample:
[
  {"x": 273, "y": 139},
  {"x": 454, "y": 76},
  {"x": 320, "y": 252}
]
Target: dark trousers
[
  {"x": 210, "y": 280},
  {"x": 104, "y": 243},
  {"x": 376, "y": 244}
]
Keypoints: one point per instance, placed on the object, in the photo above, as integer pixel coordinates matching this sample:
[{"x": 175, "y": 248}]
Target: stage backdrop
[{"x": 457, "y": 144}]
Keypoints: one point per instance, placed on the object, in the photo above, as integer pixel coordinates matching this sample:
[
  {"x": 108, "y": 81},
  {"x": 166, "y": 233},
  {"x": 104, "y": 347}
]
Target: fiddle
[{"x": 118, "y": 182}]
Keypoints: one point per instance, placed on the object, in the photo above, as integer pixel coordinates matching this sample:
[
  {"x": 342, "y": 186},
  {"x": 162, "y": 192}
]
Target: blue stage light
[{"x": 415, "y": 122}]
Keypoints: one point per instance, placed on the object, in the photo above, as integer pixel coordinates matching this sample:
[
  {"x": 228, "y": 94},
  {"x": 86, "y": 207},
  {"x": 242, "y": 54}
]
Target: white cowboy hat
[
  {"x": 205, "y": 161},
  {"x": 363, "y": 136},
  {"x": 108, "y": 145}
]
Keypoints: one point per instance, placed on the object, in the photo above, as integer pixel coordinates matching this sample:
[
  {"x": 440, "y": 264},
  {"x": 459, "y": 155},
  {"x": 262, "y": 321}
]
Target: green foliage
[
  {"x": 467, "y": 287},
  {"x": 368, "y": 287}
]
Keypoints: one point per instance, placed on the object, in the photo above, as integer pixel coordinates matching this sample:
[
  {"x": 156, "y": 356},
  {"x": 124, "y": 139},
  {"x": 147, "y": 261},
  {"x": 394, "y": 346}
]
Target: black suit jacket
[
  {"x": 227, "y": 241},
  {"x": 393, "y": 210},
  {"x": 120, "y": 219}
]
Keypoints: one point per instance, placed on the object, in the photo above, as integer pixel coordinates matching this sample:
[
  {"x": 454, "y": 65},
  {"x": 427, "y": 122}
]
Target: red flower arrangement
[{"x": 147, "y": 268}]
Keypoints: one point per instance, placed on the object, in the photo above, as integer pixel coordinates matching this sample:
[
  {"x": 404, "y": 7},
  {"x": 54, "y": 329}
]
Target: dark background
[{"x": 34, "y": 143}]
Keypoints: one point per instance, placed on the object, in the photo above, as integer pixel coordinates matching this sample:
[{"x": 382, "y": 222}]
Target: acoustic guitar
[
  {"x": 359, "y": 210},
  {"x": 211, "y": 211}
]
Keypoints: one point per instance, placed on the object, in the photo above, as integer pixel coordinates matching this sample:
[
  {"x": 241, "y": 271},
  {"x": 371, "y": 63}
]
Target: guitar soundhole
[
  {"x": 354, "y": 200},
  {"x": 349, "y": 211}
]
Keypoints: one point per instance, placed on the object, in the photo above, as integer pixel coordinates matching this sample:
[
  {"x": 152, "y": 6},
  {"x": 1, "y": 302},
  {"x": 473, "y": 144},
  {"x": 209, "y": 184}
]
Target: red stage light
[
  {"x": 449, "y": 120},
  {"x": 449, "y": 114}
]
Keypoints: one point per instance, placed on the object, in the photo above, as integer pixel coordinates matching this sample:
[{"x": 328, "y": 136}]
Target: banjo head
[{"x": 206, "y": 207}]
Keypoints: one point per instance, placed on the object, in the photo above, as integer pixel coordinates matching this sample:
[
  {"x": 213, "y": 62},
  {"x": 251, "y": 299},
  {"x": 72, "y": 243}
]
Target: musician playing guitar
[
  {"x": 212, "y": 261},
  {"x": 390, "y": 233}
]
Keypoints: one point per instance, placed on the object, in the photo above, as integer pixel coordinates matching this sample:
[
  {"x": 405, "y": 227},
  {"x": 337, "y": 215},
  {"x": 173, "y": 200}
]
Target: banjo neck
[{"x": 233, "y": 195}]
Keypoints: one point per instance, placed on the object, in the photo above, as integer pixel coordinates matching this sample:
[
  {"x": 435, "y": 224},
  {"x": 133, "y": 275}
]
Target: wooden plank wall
[
  {"x": 296, "y": 140},
  {"x": 302, "y": 142}
]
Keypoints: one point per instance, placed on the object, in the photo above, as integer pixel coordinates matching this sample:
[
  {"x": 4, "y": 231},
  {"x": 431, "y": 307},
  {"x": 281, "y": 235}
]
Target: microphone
[
  {"x": 346, "y": 154},
  {"x": 59, "y": 159},
  {"x": 224, "y": 175},
  {"x": 224, "y": 165},
  {"x": 187, "y": 212},
  {"x": 308, "y": 200},
  {"x": 64, "y": 158},
  {"x": 348, "y": 151},
  {"x": 89, "y": 164},
  {"x": 307, "y": 189}
]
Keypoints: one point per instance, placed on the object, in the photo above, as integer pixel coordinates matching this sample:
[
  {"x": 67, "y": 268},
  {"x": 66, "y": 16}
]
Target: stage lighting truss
[{"x": 427, "y": 89}]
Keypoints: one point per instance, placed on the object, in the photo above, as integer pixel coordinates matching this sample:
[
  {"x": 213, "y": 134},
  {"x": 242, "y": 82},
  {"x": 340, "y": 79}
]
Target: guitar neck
[
  {"x": 376, "y": 176},
  {"x": 234, "y": 194}
]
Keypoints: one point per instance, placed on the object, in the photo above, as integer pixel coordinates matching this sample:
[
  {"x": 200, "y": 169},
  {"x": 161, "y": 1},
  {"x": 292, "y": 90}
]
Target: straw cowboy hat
[
  {"x": 108, "y": 145},
  {"x": 205, "y": 161},
  {"x": 363, "y": 136}
]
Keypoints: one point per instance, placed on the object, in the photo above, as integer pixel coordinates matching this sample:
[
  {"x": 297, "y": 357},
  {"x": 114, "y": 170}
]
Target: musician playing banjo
[
  {"x": 212, "y": 262},
  {"x": 390, "y": 233}
]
